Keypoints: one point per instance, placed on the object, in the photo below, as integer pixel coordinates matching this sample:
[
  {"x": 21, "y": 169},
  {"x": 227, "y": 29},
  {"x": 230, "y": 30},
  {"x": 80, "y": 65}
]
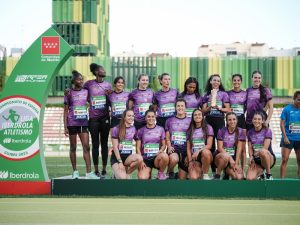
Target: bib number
[
  {"x": 98, "y": 102},
  {"x": 125, "y": 147},
  {"x": 80, "y": 113}
]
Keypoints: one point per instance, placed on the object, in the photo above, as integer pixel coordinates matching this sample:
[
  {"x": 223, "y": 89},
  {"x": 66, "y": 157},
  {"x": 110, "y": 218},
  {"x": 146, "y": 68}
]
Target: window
[
  {"x": 69, "y": 31},
  {"x": 231, "y": 53}
]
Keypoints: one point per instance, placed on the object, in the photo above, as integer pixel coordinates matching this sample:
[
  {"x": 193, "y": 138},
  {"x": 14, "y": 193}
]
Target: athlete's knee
[
  {"x": 206, "y": 154},
  {"x": 284, "y": 160},
  {"x": 263, "y": 154},
  {"x": 86, "y": 148},
  {"x": 173, "y": 160},
  {"x": 163, "y": 156},
  {"x": 72, "y": 147}
]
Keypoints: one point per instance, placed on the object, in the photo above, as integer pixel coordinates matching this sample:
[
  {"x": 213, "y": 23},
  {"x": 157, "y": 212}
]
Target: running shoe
[
  {"x": 206, "y": 177},
  {"x": 225, "y": 176},
  {"x": 103, "y": 174},
  {"x": 171, "y": 175},
  {"x": 92, "y": 176},
  {"x": 261, "y": 177},
  {"x": 75, "y": 174},
  {"x": 269, "y": 177},
  {"x": 161, "y": 176},
  {"x": 217, "y": 177}
]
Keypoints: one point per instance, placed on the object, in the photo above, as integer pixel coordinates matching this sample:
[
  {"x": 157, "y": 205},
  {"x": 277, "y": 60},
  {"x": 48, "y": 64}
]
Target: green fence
[{"x": 281, "y": 74}]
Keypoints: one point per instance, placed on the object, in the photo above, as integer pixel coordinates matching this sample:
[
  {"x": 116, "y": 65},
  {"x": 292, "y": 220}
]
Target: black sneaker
[
  {"x": 97, "y": 173},
  {"x": 176, "y": 176},
  {"x": 269, "y": 176},
  {"x": 261, "y": 177},
  {"x": 225, "y": 177},
  {"x": 171, "y": 175},
  {"x": 103, "y": 174},
  {"x": 217, "y": 177}
]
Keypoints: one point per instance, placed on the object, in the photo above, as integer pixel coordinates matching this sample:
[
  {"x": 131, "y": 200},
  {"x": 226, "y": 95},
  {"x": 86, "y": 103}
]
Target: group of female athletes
[{"x": 170, "y": 128}]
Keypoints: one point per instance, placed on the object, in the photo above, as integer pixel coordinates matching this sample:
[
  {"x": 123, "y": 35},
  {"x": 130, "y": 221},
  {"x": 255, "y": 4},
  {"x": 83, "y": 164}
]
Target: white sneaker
[
  {"x": 206, "y": 177},
  {"x": 75, "y": 174},
  {"x": 92, "y": 175}
]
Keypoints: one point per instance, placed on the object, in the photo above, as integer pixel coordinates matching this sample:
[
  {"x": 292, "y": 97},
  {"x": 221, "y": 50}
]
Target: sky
[{"x": 177, "y": 27}]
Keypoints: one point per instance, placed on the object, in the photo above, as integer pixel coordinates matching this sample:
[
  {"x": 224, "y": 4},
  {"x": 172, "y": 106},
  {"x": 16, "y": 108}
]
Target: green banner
[{"x": 22, "y": 108}]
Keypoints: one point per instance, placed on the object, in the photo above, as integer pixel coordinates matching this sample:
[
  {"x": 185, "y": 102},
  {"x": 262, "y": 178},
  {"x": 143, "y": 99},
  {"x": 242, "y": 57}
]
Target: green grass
[
  {"x": 61, "y": 166},
  {"x": 147, "y": 211}
]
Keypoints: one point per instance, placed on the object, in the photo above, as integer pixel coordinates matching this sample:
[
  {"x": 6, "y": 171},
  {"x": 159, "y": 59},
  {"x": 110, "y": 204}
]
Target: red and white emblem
[{"x": 50, "y": 46}]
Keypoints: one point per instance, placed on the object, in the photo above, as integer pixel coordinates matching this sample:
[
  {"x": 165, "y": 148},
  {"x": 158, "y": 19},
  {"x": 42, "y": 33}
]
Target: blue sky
[{"x": 174, "y": 26}]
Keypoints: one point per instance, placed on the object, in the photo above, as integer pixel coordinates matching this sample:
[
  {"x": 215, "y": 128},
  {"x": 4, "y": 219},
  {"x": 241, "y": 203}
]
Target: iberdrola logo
[
  {"x": 19, "y": 127},
  {"x": 3, "y": 174}
]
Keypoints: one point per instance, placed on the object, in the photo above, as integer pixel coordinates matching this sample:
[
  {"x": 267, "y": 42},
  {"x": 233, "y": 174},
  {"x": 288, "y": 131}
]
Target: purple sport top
[
  {"x": 192, "y": 102},
  {"x": 142, "y": 99},
  {"x": 150, "y": 140},
  {"x": 238, "y": 101},
  {"x": 177, "y": 128},
  {"x": 229, "y": 139},
  {"x": 77, "y": 102},
  {"x": 118, "y": 103},
  {"x": 125, "y": 146},
  {"x": 222, "y": 97},
  {"x": 253, "y": 102},
  {"x": 198, "y": 139},
  {"x": 257, "y": 138},
  {"x": 165, "y": 102},
  {"x": 97, "y": 97}
]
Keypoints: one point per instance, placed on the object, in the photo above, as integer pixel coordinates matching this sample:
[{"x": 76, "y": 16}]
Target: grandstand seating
[
  {"x": 53, "y": 126},
  {"x": 275, "y": 126}
]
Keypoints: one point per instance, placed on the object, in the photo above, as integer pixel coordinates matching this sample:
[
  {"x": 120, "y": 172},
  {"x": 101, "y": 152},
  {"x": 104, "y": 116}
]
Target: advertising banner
[{"x": 22, "y": 108}]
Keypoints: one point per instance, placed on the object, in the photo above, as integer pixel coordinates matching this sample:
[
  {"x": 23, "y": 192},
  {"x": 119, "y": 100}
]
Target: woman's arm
[
  {"x": 209, "y": 142},
  {"x": 250, "y": 152},
  {"x": 162, "y": 145},
  {"x": 269, "y": 106},
  {"x": 238, "y": 152},
  {"x": 282, "y": 128},
  {"x": 189, "y": 151},
  {"x": 170, "y": 149},
  {"x": 205, "y": 108},
  {"x": 226, "y": 108},
  {"x": 66, "y": 109},
  {"x": 115, "y": 143},
  {"x": 220, "y": 145},
  {"x": 138, "y": 144},
  {"x": 267, "y": 143}
]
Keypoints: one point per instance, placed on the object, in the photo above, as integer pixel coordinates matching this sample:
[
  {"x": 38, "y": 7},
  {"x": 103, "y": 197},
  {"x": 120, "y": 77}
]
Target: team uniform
[
  {"x": 118, "y": 103},
  {"x": 254, "y": 104},
  {"x": 193, "y": 102},
  {"x": 165, "y": 102},
  {"x": 125, "y": 146},
  {"x": 150, "y": 143},
  {"x": 178, "y": 133},
  {"x": 142, "y": 99},
  {"x": 99, "y": 121},
  {"x": 77, "y": 119},
  {"x": 199, "y": 140},
  {"x": 238, "y": 101},
  {"x": 230, "y": 140},
  {"x": 291, "y": 115},
  {"x": 257, "y": 139},
  {"x": 215, "y": 118}
]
